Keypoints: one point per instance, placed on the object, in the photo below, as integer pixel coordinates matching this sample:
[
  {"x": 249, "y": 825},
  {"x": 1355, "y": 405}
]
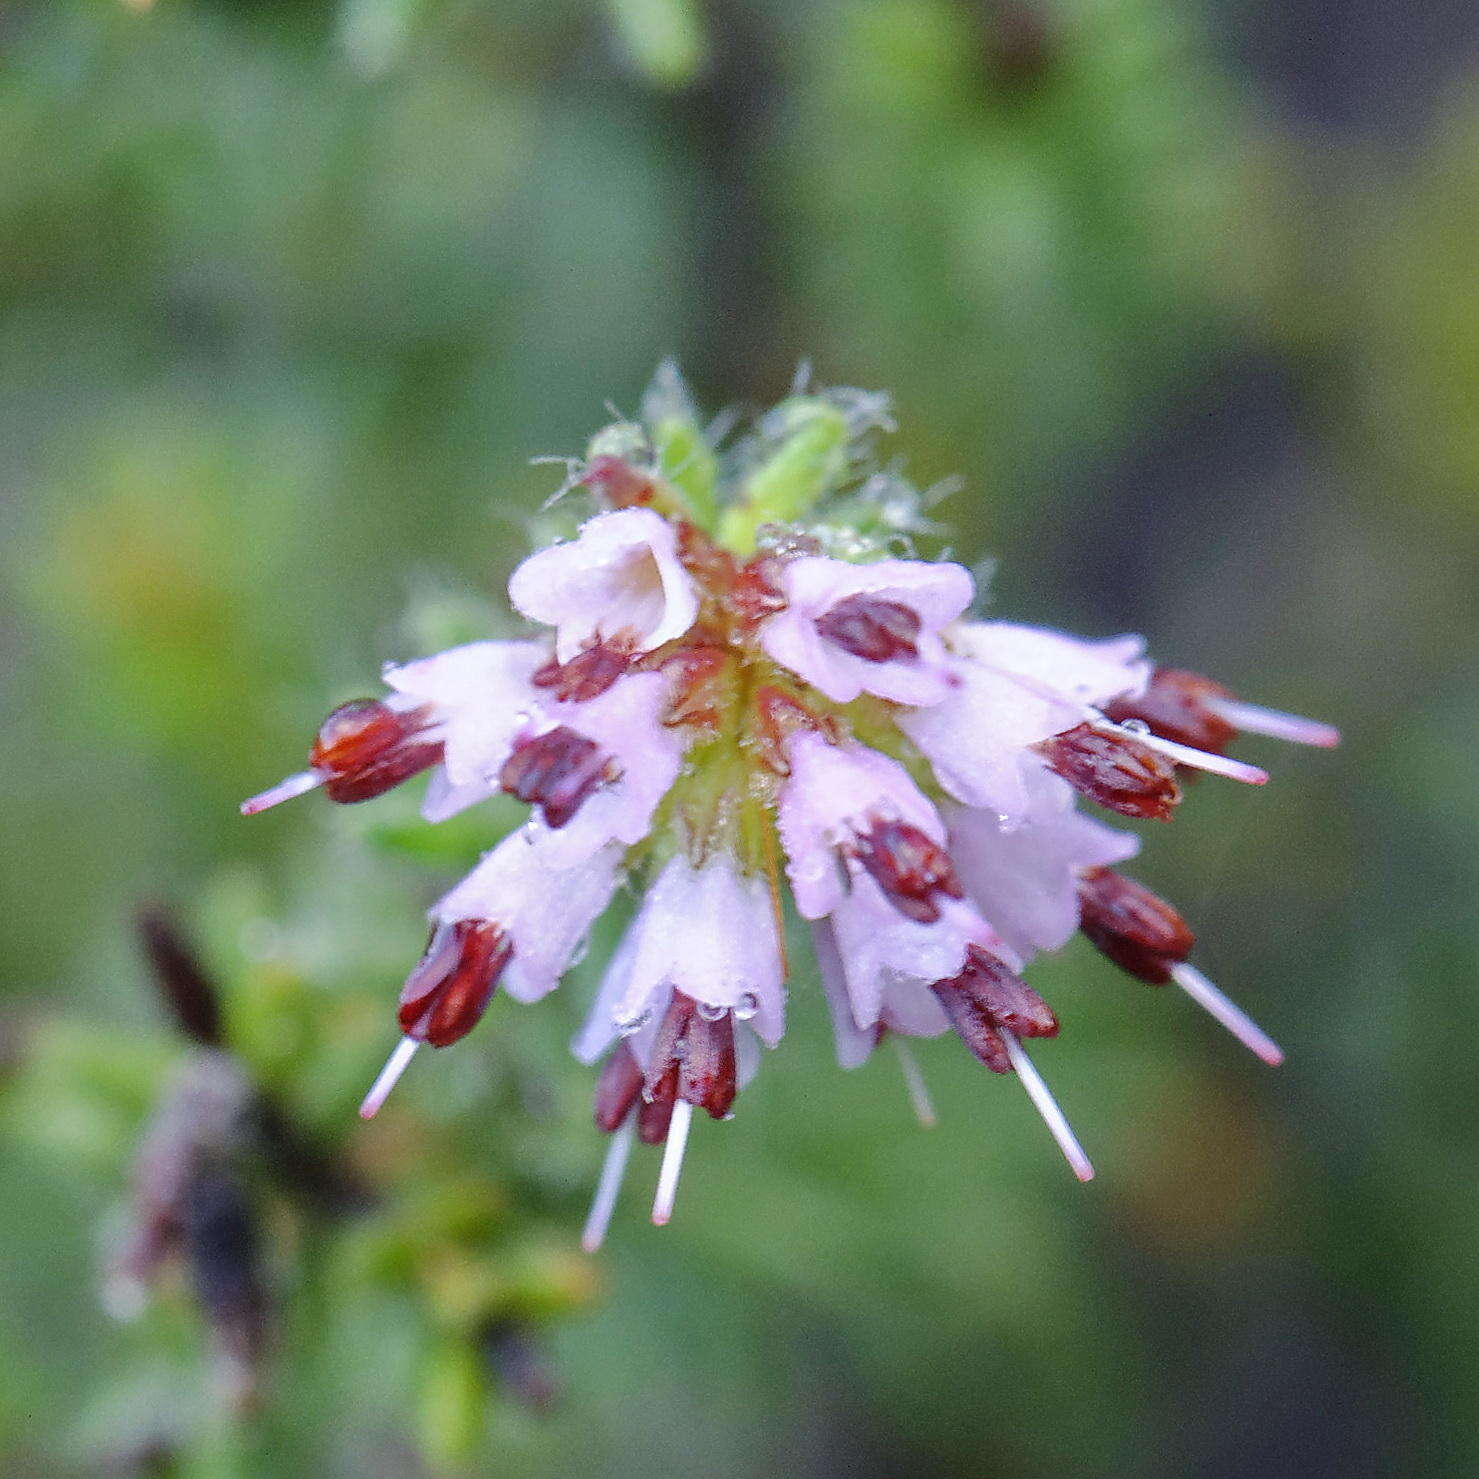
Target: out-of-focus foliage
[{"x": 293, "y": 292}]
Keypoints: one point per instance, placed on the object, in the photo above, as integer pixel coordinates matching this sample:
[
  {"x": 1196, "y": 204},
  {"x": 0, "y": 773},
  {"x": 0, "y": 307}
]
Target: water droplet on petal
[
  {"x": 630, "y": 1025},
  {"x": 746, "y": 1007}
]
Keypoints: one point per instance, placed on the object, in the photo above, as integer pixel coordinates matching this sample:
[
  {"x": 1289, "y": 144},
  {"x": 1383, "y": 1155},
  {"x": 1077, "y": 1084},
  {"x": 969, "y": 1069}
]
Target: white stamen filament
[
  {"x": 395, "y": 1065},
  {"x": 294, "y": 785},
  {"x": 914, "y": 1084},
  {"x": 1043, "y": 1101},
  {"x": 672, "y": 1163},
  {"x": 1237, "y": 1021},
  {"x": 608, "y": 1188},
  {"x": 1277, "y": 725},
  {"x": 1234, "y": 770}
]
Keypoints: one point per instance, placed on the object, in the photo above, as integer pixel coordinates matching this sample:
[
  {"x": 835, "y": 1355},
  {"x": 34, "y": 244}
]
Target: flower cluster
[{"x": 739, "y": 689}]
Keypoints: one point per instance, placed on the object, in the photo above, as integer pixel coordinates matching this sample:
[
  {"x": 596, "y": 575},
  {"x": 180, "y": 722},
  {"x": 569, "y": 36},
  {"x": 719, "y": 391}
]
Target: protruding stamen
[
  {"x": 1139, "y": 931},
  {"x": 1233, "y": 1017},
  {"x": 395, "y": 1065},
  {"x": 1116, "y": 767},
  {"x": 294, "y": 785},
  {"x": 693, "y": 1058},
  {"x": 1047, "y": 1106},
  {"x": 448, "y": 991},
  {"x": 1277, "y": 725},
  {"x": 608, "y": 1188},
  {"x": 985, "y": 1001},
  {"x": 1234, "y": 770},
  {"x": 1176, "y": 705},
  {"x": 367, "y": 747},
  {"x": 914, "y": 1085},
  {"x": 672, "y": 1163},
  {"x": 617, "y": 1088}
]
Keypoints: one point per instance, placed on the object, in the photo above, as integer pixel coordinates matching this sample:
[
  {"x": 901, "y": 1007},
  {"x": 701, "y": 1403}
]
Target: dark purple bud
[
  {"x": 221, "y": 1240},
  {"x": 188, "y": 992},
  {"x": 520, "y": 1365}
]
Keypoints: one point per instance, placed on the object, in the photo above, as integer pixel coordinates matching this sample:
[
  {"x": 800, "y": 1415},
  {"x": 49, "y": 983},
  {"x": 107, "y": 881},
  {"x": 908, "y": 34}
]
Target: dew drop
[
  {"x": 711, "y": 1013},
  {"x": 746, "y": 1007},
  {"x": 629, "y": 1026}
]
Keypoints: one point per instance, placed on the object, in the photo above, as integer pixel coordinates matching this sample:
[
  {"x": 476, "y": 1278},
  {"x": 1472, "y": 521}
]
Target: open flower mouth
[{"x": 723, "y": 709}]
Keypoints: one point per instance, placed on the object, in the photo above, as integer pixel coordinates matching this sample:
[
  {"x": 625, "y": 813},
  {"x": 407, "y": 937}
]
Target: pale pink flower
[
  {"x": 1024, "y": 878},
  {"x": 852, "y": 629},
  {"x": 697, "y": 711},
  {"x": 619, "y": 579}
]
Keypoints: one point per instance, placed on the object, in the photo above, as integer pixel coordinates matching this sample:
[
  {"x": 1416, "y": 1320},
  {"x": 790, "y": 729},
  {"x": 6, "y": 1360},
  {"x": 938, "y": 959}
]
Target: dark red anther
[
  {"x": 365, "y": 748},
  {"x": 985, "y": 998},
  {"x": 1175, "y": 706},
  {"x": 588, "y": 674},
  {"x": 655, "y": 1108},
  {"x": 694, "y": 1054},
  {"x": 706, "y": 1076},
  {"x": 1117, "y": 772},
  {"x": 618, "y": 482},
  {"x": 910, "y": 867},
  {"x": 872, "y": 628},
  {"x": 1139, "y": 931},
  {"x": 617, "y": 1088},
  {"x": 555, "y": 771},
  {"x": 447, "y": 993}
]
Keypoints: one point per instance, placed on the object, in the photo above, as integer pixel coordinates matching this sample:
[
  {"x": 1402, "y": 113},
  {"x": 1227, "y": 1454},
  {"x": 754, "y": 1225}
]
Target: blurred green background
[{"x": 1187, "y": 295}]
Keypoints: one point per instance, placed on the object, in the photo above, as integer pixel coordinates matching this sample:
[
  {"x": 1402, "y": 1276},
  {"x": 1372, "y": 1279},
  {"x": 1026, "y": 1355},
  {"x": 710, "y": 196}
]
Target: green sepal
[{"x": 810, "y": 460}]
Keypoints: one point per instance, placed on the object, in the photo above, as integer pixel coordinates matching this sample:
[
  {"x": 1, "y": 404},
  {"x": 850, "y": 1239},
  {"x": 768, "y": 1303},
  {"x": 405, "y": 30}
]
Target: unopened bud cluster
[{"x": 741, "y": 687}]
